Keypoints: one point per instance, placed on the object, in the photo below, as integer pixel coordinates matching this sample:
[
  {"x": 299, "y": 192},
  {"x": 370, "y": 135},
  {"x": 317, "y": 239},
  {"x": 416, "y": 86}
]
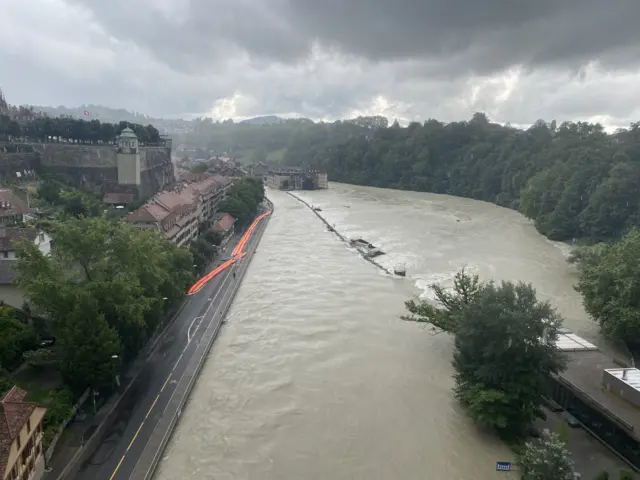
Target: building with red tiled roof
[
  {"x": 12, "y": 208},
  {"x": 115, "y": 198},
  {"x": 21, "y": 454},
  {"x": 179, "y": 213},
  {"x": 223, "y": 223}
]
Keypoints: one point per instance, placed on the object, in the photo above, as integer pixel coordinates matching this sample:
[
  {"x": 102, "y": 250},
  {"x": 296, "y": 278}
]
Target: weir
[{"x": 339, "y": 235}]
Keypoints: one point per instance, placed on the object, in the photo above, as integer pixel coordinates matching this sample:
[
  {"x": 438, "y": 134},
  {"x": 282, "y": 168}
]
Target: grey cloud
[
  {"x": 457, "y": 37},
  {"x": 327, "y": 59}
]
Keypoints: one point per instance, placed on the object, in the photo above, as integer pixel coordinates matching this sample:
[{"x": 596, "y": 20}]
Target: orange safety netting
[{"x": 236, "y": 255}]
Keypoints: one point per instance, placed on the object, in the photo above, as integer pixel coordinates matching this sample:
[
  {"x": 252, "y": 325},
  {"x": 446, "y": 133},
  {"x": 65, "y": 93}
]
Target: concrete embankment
[{"x": 338, "y": 234}]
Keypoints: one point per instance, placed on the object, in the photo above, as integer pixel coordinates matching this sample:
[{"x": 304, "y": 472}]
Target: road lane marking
[
  {"x": 166, "y": 381},
  {"x": 151, "y": 407},
  {"x": 191, "y": 326},
  {"x": 117, "y": 467},
  {"x": 135, "y": 436}
]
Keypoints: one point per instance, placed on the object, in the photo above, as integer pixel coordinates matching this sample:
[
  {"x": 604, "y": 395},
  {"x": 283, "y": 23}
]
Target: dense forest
[
  {"x": 252, "y": 142},
  {"x": 573, "y": 179}
]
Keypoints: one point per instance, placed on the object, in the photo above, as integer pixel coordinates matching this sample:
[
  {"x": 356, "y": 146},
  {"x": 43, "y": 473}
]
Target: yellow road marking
[
  {"x": 151, "y": 407},
  {"x": 135, "y": 436},
  {"x": 117, "y": 467}
]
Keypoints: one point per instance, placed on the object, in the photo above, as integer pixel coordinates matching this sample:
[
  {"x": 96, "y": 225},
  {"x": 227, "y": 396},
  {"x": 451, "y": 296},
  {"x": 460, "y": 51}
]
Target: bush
[{"x": 59, "y": 406}]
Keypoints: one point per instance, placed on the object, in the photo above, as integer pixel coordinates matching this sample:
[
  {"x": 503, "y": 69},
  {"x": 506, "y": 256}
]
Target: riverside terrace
[{"x": 602, "y": 394}]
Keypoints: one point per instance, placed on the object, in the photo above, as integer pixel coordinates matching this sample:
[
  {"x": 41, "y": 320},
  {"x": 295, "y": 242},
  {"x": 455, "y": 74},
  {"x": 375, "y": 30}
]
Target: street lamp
[{"x": 115, "y": 357}]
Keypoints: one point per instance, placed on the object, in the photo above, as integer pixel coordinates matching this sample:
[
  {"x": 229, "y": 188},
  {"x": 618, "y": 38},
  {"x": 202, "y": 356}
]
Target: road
[{"x": 152, "y": 395}]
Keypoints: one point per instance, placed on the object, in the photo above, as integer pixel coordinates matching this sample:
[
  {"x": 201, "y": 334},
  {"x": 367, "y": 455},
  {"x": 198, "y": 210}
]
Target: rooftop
[
  {"x": 584, "y": 373},
  {"x": 223, "y": 221},
  {"x": 114, "y": 198},
  {"x": 11, "y": 204},
  {"x": 128, "y": 133},
  {"x": 14, "y": 412},
  {"x": 9, "y": 237}
]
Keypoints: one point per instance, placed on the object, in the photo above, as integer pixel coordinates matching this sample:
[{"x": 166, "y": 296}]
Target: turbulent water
[{"x": 315, "y": 377}]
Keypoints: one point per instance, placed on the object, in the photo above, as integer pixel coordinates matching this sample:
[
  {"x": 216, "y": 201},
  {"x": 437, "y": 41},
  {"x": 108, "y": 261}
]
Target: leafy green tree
[
  {"x": 49, "y": 191},
  {"x": 243, "y": 200},
  {"x": 546, "y": 458},
  {"x": 199, "y": 167},
  {"x": 610, "y": 287},
  {"x": 214, "y": 238},
  {"x": 44, "y": 129},
  {"x": 131, "y": 275},
  {"x": 16, "y": 338},
  {"x": 504, "y": 348},
  {"x": 91, "y": 349},
  {"x": 235, "y": 207}
]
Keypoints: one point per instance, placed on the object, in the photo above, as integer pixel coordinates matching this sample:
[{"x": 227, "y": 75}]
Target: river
[{"x": 315, "y": 377}]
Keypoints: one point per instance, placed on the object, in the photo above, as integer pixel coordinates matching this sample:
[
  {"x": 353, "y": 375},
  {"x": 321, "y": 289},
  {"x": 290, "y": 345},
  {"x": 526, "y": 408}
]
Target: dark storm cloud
[
  {"x": 518, "y": 61},
  {"x": 457, "y": 36}
]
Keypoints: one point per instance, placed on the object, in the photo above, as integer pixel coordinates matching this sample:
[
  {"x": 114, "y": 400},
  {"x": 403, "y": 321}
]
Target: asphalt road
[{"x": 146, "y": 401}]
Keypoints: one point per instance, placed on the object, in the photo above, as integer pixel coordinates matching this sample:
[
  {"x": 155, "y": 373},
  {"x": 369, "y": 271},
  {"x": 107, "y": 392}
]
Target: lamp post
[{"x": 115, "y": 357}]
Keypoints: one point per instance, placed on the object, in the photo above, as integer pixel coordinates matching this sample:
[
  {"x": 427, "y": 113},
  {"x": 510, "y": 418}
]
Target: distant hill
[
  {"x": 265, "y": 120},
  {"x": 115, "y": 115}
]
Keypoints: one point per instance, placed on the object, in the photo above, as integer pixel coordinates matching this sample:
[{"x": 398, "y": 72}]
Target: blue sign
[{"x": 503, "y": 466}]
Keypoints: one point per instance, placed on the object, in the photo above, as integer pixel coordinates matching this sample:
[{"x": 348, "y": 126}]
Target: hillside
[
  {"x": 266, "y": 120},
  {"x": 574, "y": 180}
]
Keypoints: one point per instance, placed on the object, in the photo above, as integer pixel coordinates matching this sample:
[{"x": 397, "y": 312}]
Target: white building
[{"x": 10, "y": 293}]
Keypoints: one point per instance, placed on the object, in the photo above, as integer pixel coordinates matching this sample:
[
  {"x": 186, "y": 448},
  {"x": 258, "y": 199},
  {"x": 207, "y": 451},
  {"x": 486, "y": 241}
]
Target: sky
[{"x": 411, "y": 60}]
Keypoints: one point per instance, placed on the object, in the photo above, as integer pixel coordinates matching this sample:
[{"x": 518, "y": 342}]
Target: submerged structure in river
[{"x": 366, "y": 249}]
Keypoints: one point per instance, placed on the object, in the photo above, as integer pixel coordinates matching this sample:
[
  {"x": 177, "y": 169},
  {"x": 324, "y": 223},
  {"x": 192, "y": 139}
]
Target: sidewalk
[{"x": 79, "y": 434}]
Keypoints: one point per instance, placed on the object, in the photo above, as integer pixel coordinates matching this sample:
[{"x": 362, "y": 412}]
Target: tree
[
  {"x": 214, "y": 238},
  {"x": 16, "y": 338},
  {"x": 546, "y": 458},
  {"x": 610, "y": 287},
  {"x": 243, "y": 200},
  {"x": 131, "y": 276},
  {"x": 43, "y": 129},
  {"x": 199, "y": 167},
  {"x": 49, "y": 191},
  {"x": 504, "y": 348},
  {"x": 91, "y": 349}
]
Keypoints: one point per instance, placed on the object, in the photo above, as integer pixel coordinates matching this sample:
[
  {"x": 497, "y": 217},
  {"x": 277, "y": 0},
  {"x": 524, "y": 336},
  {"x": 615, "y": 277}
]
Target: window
[
  {"x": 18, "y": 440},
  {"x": 28, "y": 424}
]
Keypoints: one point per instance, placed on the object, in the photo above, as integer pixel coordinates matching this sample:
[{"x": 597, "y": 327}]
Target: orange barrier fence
[{"x": 236, "y": 255}]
